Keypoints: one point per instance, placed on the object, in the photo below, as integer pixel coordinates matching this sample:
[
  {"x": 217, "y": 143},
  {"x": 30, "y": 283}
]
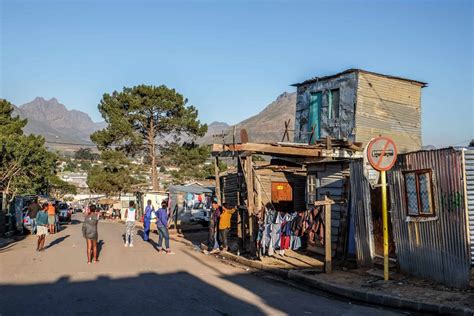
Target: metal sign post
[{"x": 382, "y": 154}]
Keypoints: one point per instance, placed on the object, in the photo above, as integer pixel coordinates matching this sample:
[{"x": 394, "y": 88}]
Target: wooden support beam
[
  {"x": 218, "y": 181},
  {"x": 269, "y": 149},
  {"x": 327, "y": 236}
]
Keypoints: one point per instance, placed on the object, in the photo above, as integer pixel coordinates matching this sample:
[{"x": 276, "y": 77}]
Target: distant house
[{"x": 358, "y": 105}]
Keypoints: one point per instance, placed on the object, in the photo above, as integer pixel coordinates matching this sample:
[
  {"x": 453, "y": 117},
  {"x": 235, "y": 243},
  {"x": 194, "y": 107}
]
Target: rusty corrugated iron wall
[
  {"x": 436, "y": 249},
  {"x": 361, "y": 214}
]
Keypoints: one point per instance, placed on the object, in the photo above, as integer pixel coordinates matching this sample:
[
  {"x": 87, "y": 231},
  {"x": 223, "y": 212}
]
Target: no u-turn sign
[{"x": 382, "y": 153}]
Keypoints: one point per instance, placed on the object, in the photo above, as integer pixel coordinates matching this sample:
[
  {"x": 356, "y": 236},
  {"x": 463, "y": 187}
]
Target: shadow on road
[
  {"x": 174, "y": 293},
  {"x": 100, "y": 244},
  {"x": 56, "y": 241}
]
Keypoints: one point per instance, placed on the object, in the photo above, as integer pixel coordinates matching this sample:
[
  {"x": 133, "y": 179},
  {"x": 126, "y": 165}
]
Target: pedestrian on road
[
  {"x": 213, "y": 245},
  {"x": 51, "y": 217},
  {"x": 162, "y": 227},
  {"x": 42, "y": 226},
  {"x": 33, "y": 210},
  {"x": 90, "y": 233},
  {"x": 224, "y": 225},
  {"x": 130, "y": 217},
  {"x": 149, "y": 210}
]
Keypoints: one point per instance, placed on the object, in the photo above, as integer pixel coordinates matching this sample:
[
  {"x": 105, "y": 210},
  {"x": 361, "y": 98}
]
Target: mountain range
[
  {"x": 268, "y": 126},
  {"x": 62, "y": 128},
  {"x": 68, "y": 130}
]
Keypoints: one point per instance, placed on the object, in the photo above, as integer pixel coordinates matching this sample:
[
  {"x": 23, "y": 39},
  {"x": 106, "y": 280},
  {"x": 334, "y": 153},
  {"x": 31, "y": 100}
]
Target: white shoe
[
  {"x": 126, "y": 244},
  {"x": 131, "y": 245}
]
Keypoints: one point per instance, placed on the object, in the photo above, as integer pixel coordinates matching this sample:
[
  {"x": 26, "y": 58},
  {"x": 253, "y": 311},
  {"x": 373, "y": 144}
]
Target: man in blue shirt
[
  {"x": 162, "y": 227},
  {"x": 147, "y": 220}
]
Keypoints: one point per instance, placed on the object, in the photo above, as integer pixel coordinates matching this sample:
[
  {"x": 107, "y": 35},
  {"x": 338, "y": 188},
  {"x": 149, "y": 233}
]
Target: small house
[
  {"x": 431, "y": 221},
  {"x": 358, "y": 105}
]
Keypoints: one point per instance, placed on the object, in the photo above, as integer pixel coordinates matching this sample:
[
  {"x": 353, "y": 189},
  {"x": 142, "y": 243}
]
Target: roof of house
[{"x": 316, "y": 79}]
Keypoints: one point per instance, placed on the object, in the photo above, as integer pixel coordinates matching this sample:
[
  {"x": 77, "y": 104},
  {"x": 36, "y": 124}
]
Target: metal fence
[{"x": 469, "y": 174}]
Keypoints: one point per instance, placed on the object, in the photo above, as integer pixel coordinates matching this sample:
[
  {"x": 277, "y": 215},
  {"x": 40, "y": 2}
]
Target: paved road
[{"x": 139, "y": 280}]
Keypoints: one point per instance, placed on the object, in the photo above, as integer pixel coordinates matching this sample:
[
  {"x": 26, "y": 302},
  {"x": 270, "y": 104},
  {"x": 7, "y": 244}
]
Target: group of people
[
  {"x": 49, "y": 207},
  {"x": 219, "y": 227},
  {"x": 43, "y": 222}
]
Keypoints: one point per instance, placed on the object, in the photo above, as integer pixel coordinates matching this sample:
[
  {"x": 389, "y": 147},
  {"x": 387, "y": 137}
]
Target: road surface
[{"x": 139, "y": 280}]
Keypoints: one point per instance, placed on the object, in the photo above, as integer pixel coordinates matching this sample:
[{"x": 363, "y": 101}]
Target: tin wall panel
[
  {"x": 469, "y": 171},
  {"x": 437, "y": 249},
  {"x": 361, "y": 214}
]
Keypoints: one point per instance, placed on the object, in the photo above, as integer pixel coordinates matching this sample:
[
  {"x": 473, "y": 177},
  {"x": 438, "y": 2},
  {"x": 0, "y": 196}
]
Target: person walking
[
  {"x": 224, "y": 225},
  {"x": 90, "y": 233},
  {"x": 130, "y": 217},
  {"x": 213, "y": 245},
  {"x": 51, "y": 217},
  {"x": 42, "y": 226},
  {"x": 149, "y": 210},
  {"x": 33, "y": 210},
  {"x": 162, "y": 227}
]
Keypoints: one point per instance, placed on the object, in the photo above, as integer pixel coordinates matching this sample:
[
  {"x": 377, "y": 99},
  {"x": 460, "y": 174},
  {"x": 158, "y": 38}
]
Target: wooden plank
[
  {"x": 269, "y": 149},
  {"x": 327, "y": 238},
  {"x": 218, "y": 182}
]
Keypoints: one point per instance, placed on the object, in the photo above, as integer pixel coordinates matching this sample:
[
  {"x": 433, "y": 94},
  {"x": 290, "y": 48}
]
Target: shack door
[
  {"x": 282, "y": 196},
  {"x": 315, "y": 116}
]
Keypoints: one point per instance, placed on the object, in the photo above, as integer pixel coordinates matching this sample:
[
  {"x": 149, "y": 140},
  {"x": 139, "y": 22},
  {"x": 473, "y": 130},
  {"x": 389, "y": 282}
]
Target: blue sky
[{"x": 231, "y": 58}]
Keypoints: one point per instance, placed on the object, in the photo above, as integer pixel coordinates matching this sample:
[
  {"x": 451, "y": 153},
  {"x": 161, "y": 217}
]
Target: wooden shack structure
[{"x": 280, "y": 182}]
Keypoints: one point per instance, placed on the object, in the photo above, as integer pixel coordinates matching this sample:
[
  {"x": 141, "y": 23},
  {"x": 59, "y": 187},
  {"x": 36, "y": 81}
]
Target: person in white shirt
[{"x": 130, "y": 217}]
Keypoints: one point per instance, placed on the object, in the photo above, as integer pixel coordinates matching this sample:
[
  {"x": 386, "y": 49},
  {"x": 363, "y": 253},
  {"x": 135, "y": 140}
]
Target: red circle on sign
[{"x": 385, "y": 156}]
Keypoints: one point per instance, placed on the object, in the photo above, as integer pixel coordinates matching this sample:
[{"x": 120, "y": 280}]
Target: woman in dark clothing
[{"x": 89, "y": 231}]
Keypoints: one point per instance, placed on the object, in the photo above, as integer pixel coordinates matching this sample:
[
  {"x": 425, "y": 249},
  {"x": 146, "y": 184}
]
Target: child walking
[{"x": 131, "y": 216}]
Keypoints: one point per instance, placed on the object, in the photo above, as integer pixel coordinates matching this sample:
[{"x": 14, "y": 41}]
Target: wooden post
[
  {"x": 250, "y": 203},
  {"x": 327, "y": 233},
  {"x": 327, "y": 237},
  {"x": 218, "y": 181}
]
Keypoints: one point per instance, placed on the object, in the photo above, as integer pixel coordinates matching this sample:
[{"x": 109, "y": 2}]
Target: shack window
[
  {"x": 333, "y": 103},
  {"x": 311, "y": 189},
  {"x": 419, "y": 193}
]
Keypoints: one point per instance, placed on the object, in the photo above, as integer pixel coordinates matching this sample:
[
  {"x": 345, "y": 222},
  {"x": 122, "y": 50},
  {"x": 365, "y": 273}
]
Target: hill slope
[
  {"x": 58, "y": 125},
  {"x": 267, "y": 126}
]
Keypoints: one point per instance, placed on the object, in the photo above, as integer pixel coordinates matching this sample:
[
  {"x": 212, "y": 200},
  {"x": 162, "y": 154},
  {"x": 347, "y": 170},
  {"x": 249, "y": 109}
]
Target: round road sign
[{"x": 382, "y": 153}]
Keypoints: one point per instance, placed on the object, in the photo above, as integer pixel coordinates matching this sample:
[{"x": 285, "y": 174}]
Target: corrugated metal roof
[
  {"x": 315, "y": 79},
  {"x": 191, "y": 188}
]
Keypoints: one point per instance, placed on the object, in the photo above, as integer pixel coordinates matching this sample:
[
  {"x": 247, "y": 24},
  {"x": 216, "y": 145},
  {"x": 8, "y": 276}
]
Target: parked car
[
  {"x": 200, "y": 214},
  {"x": 65, "y": 213},
  {"x": 26, "y": 221}
]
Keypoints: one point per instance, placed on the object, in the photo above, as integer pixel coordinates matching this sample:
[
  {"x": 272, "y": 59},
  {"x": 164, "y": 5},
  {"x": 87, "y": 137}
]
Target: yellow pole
[{"x": 385, "y": 225}]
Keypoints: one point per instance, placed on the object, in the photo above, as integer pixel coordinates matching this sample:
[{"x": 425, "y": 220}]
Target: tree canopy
[
  {"x": 192, "y": 161},
  {"x": 26, "y": 167},
  {"x": 113, "y": 176},
  {"x": 143, "y": 115}
]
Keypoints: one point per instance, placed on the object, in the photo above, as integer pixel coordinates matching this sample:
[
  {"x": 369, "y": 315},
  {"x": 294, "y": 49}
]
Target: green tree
[
  {"x": 85, "y": 154},
  {"x": 191, "y": 160},
  {"x": 59, "y": 188},
  {"x": 26, "y": 167},
  {"x": 113, "y": 176},
  {"x": 140, "y": 115}
]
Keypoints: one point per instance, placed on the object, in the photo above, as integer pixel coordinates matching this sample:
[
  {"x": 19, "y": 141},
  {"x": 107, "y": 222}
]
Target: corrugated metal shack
[
  {"x": 358, "y": 105},
  {"x": 430, "y": 207},
  {"x": 282, "y": 182}
]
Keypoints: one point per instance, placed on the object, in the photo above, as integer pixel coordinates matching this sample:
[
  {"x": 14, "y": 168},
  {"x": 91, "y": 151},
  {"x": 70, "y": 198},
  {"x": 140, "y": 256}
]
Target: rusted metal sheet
[
  {"x": 439, "y": 248},
  {"x": 469, "y": 173},
  {"x": 361, "y": 214}
]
